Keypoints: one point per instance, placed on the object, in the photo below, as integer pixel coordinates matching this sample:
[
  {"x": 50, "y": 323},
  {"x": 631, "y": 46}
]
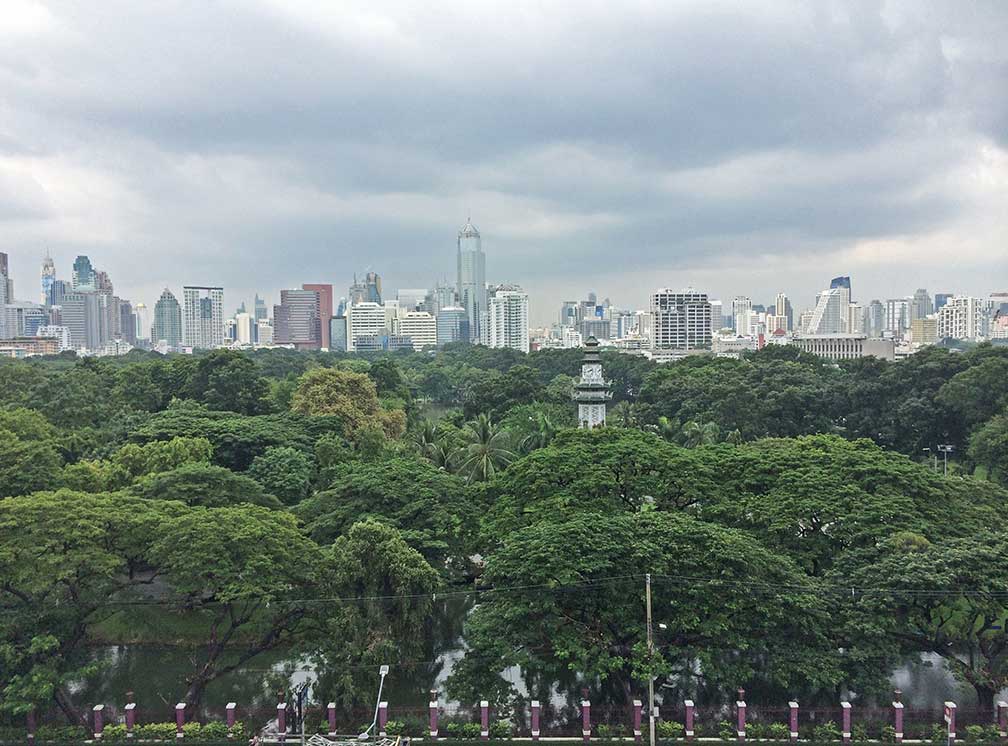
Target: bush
[
  {"x": 778, "y": 732},
  {"x": 670, "y": 730},
  {"x": 192, "y": 731},
  {"x": 238, "y": 731},
  {"x": 156, "y": 732},
  {"x": 859, "y": 733},
  {"x": 214, "y": 731},
  {"x": 939, "y": 733},
  {"x": 59, "y": 733},
  {"x": 114, "y": 733},
  {"x": 755, "y": 731},
  {"x": 826, "y": 732},
  {"x": 726, "y": 731},
  {"x": 412, "y": 727},
  {"x": 888, "y": 734},
  {"x": 500, "y": 729},
  {"x": 604, "y": 731}
]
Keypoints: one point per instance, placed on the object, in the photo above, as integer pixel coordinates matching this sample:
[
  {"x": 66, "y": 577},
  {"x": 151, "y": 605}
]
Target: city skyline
[{"x": 742, "y": 149}]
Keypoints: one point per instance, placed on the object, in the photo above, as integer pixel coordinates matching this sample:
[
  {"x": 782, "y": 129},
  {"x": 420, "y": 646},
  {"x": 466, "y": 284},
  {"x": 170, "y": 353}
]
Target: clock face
[{"x": 593, "y": 373}]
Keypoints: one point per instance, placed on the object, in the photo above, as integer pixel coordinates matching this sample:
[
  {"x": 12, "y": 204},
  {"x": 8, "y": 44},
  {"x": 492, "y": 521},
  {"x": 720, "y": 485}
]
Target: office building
[
  {"x": 297, "y": 320},
  {"x": 48, "y": 281},
  {"x": 741, "y": 310},
  {"x": 366, "y": 319},
  {"x": 80, "y": 313},
  {"x": 325, "y": 294},
  {"x": 924, "y": 331},
  {"x": 831, "y": 314},
  {"x": 413, "y": 299},
  {"x": 921, "y": 305},
  {"x": 452, "y": 326},
  {"x": 367, "y": 290},
  {"x": 167, "y": 325},
  {"x": 940, "y": 299},
  {"x": 245, "y": 332},
  {"x": 127, "y": 323},
  {"x": 60, "y": 333},
  {"x": 202, "y": 317},
  {"x": 143, "y": 321},
  {"x": 716, "y": 316},
  {"x": 338, "y": 334},
  {"x": 782, "y": 307},
  {"x": 84, "y": 275},
  {"x": 874, "y": 319},
  {"x": 682, "y": 320},
  {"x": 472, "y": 290},
  {"x": 264, "y": 332},
  {"x": 22, "y": 347},
  {"x": 897, "y": 316},
  {"x": 419, "y": 326},
  {"x": 846, "y": 346},
  {"x": 507, "y": 318}
]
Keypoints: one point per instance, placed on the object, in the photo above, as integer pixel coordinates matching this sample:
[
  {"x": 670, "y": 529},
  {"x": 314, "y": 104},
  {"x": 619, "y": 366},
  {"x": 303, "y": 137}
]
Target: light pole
[
  {"x": 383, "y": 672},
  {"x": 930, "y": 453},
  {"x": 650, "y": 646},
  {"x": 946, "y": 449}
]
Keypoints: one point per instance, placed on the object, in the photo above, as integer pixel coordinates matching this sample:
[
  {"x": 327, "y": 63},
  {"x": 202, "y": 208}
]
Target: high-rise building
[
  {"x": 338, "y": 333},
  {"x": 5, "y": 295},
  {"x": 413, "y": 299},
  {"x": 48, "y": 281},
  {"x": 472, "y": 290},
  {"x": 260, "y": 309},
  {"x": 325, "y": 296},
  {"x": 782, "y": 307},
  {"x": 442, "y": 295},
  {"x": 127, "y": 322},
  {"x": 419, "y": 326},
  {"x": 921, "y": 306},
  {"x": 366, "y": 291},
  {"x": 23, "y": 318},
  {"x": 297, "y": 320},
  {"x": 716, "y": 316},
  {"x": 897, "y": 316},
  {"x": 874, "y": 319},
  {"x": 202, "y": 317},
  {"x": 143, "y": 321},
  {"x": 682, "y": 320},
  {"x": 507, "y": 318},
  {"x": 741, "y": 313},
  {"x": 244, "y": 329},
  {"x": 963, "y": 317},
  {"x": 832, "y": 311},
  {"x": 80, "y": 313},
  {"x": 452, "y": 325},
  {"x": 569, "y": 315},
  {"x": 84, "y": 276},
  {"x": 167, "y": 324},
  {"x": 366, "y": 319},
  {"x": 940, "y": 299},
  {"x": 264, "y": 332}
]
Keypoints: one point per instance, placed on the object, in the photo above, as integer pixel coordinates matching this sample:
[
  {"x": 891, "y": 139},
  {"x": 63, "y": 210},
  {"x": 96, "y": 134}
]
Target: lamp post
[
  {"x": 946, "y": 449},
  {"x": 931, "y": 454},
  {"x": 650, "y": 645}
]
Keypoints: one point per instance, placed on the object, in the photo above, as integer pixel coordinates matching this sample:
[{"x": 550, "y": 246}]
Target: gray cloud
[{"x": 741, "y": 147}]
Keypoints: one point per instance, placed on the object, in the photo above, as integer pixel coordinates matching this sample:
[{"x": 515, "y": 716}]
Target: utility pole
[
  {"x": 945, "y": 448},
  {"x": 650, "y": 645}
]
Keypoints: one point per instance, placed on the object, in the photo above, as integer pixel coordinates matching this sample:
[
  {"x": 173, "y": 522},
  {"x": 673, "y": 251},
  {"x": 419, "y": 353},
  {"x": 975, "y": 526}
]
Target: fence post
[
  {"x": 331, "y": 717},
  {"x": 1002, "y": 715},
  {"x": 950, "y": 713},
  {"x": 793, "y": 720},
  {"x": 846, "y": 721},
  {"x": 99, "y": 724},
  {"x": 740, "y": 708},
  {"x": 281, "y": 711},
  {"x": 382, "y": 718},
  {"x": 179, "y": 719},
  {"x": 535, "y": 719},
  {"x": 897, "y": 707},
  {"x": 484, "y": 720},
  {"x": 130, "y": 718},
  {"x": 586, "y": 720},
  {"x": 689, "y": 719},
  {"x": 30, "y": 725},
  {"x": 229, "y": 710},
  {"x": 433, "y": 707},
  {"x": 637, "y": 707}
]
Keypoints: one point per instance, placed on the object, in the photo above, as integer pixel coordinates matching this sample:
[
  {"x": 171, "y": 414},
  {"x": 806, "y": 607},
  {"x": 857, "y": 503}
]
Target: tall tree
[
  {"x": 350, "y": 397},
  {"x": 488, "y": 450}
]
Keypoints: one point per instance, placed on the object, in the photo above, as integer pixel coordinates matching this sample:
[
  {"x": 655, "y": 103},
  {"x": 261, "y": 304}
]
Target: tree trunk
[
  {"x": 985, "y": 697},
  {"x": 194, "y": 694},
  {"x": 73, "y": 715}
]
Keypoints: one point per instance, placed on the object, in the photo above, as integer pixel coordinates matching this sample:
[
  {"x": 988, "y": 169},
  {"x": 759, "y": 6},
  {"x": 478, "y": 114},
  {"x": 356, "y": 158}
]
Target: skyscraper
[
  {"x": 202, "y": 317},
  {"x": 782, "y": 307},
  {"x": 507, "y": 318},
  {"x": 682, "y": 321},
  {"x": 84, "y": 279},
  {"x": 167, "y": 320},
  {"x": 81, "y": 315},
  {"x": 472, "y": 290},
  {"x": 452, "y": 325},
  {"x": 741, "y": 312},
  {"x": 921, "y": 307},
  {"x": 832, "y": 312},
  {"x": 367, "y": 290},
  {"x": 296, "y": 321},
  {"x": 325, "y": 309},
  {"x": 48, "y": 281},
  {"x": 143, "y": 321}
]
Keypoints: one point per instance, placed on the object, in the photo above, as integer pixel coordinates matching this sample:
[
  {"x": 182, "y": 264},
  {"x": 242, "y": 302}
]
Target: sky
[{"x": 741, "y": 148}]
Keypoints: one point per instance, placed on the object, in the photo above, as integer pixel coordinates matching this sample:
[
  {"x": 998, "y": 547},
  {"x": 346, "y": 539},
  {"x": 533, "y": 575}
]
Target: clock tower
[{"x": 592, "y": 392}]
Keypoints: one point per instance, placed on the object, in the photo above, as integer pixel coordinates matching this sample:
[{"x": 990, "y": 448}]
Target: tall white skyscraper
[
  {"x": 741, "y": 313},
  {"x": 508, "y": 318},
  {"x": 472, "y": 291},
  {"x": 202, "y": 317},
  {"x": 963, "y": 317},
  {"x": 365, "y": 319},
  {"x": 48, "y": 284},
  {"x": 832, "y": 312}
]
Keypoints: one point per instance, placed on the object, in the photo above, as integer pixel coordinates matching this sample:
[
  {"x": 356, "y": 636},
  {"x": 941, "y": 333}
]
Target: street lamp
[
  {"x": 946, "y": 449},
  {"x": 929, "y": 452},
  {"x": 383, "y": 672},
  {"x": 650, "y": 646}
]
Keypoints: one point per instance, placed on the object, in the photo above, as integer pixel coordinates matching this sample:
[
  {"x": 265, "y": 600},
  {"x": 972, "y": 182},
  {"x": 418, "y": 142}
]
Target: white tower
[{"x": 592, "y": 392}]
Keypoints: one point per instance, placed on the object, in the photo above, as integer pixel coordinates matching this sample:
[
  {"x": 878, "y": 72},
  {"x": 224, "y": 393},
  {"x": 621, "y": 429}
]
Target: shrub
[
  {"x": 755, "y": 731},
  {"x": 215, "y": 731},
  {"x": 670, "y": 730},
  {"x": 992, "y": 734},
  {"x": 471, "y": 731},
  {"x": 826, "y": 732},
  {"x": 412, "y": 727},
  {"x": 453, "y": 729},
  {"x": 939, "y": 733},
  {"x": 395, "y": 728},
  {"x": 192, "y": 731},
  {"x": 115, "y": 732},
  {"x": 500, "y": 729},
  {"x": 888, "y": 734},
  {"x": 238, "y": 731},
  {"x": 604, "y": 731},
  {"x": 156, "y": 732},
  {"x": 859, "y": 733},
  {"x": 726, "y": 731},
  {"x": 778, "y": 732},
  {"x": 59, "y": 733}
]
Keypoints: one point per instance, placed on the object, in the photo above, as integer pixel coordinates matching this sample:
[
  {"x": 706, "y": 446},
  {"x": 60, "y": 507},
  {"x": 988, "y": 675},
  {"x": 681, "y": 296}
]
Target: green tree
[
  {"x": 428, "y": 507},
  {"x": 988, "y": 447},
  {"x": 979, "y": 392},
  {"x": 229, "y": 380},
  {"x": 488, "y": 450},
  {"x": 284, "y": 472},
  {"x": 204, "y": 485},
  {"x": 350, "y": 397},
  {"x": 29, "y": 459},
  {"x": 574, "y": 602},
  {"x": 696, "y": 434}
]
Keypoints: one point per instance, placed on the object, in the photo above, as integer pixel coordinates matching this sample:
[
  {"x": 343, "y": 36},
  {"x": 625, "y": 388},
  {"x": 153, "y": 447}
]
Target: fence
[{"x": 535, "y": 721}]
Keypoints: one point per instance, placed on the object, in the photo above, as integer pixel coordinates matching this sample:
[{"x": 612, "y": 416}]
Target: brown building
[{"x": 325, "y": 295}]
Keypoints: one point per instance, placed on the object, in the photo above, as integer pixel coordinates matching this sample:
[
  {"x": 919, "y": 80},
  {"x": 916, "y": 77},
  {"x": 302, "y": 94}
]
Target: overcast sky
[{"x": 741, "y": 148}]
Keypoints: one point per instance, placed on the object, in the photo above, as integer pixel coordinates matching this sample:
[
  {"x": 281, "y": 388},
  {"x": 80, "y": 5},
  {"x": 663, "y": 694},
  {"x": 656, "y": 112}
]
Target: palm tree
[
  {"x": 442, "y": 454},
  {"x": 697, "y": 434},
  {"x": 623, "y": 414},
  {"x": 668, "y": 429},
  {"x": 426, "y": 437},
  {"x": 734, "y": 437},
  {"x": 541, "y": 436},
  {"x": 487, "y": 453}
]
